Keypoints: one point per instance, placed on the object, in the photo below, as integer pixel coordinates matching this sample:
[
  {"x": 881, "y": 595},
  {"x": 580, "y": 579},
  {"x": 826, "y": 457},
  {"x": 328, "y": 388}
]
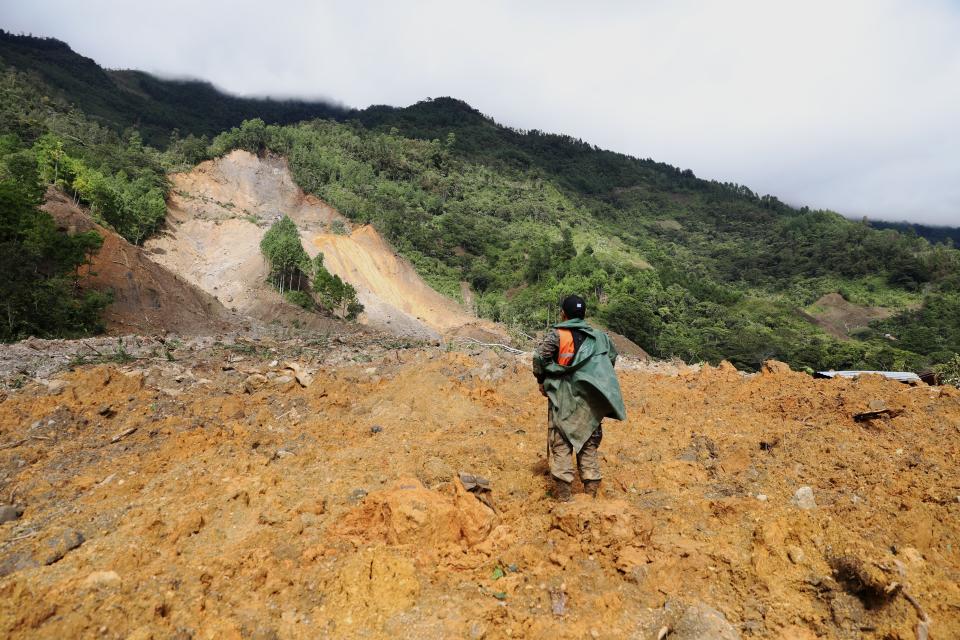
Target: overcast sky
[{"x": 852, "y": 105}]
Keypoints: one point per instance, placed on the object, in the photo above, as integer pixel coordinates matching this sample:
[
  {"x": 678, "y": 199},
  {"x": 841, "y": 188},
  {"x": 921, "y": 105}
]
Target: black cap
[{"x": 574, "y": 307}]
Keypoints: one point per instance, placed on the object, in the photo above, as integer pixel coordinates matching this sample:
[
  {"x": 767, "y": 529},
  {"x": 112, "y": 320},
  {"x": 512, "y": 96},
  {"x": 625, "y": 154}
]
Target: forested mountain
[
  {"x": 934, "y": 234},
  {"x": 684, "y": 266},
  {"x": 153, "y": 105}
]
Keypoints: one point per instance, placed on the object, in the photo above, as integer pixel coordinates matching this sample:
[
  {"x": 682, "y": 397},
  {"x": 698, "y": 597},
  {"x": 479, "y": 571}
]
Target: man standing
[{"x": 574, "y": 366}]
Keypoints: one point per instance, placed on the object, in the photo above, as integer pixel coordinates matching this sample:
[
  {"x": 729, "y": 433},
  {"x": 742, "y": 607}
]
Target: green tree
[
  {"x": 335, "y": 295},
  {"x": 284, "y": 253}
]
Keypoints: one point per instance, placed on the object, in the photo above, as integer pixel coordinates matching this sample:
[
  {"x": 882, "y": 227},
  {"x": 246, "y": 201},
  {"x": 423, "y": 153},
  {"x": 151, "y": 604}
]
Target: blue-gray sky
[{"x": 852, "y": 105}]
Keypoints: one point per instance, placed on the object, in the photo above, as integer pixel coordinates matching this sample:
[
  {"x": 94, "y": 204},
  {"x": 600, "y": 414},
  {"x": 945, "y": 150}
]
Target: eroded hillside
[
  {"x": 219, "y": 212},
  {"x": 262, "y": 488}
]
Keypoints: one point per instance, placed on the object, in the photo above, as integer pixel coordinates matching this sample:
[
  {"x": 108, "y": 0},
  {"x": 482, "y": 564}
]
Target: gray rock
[
  {"x": 357, "y": 495},
  {"x": 434, "y": 471},
  {"x": 254, "y": 382},
  {"x": 9, "y": 512},
  {"x": 14, "y": 562},
  {"x": 699, "y": 621},
  {"x": 59, "y": 545},
  {"x": 804, "y": 499}
]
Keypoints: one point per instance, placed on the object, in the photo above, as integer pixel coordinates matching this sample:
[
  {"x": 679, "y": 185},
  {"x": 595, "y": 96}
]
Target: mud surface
[{"x": 307, "y": 489}]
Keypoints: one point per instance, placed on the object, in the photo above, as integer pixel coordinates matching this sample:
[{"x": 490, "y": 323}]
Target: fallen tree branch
[
  {"x": 494, "y": 344},
  {"x": 123, "y": 434},
  {"x": 11, "y": 445},
  {"x": 923, "y": 627},
  {"x": 23, "y": 537}
]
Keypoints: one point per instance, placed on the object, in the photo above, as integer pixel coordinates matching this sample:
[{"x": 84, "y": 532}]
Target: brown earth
[
  {"x": 147, "y": 297},
  {"x": 390, "y": 288},
  {"x": 840, "y": 318},
  {"x": 266, "y": 489}
]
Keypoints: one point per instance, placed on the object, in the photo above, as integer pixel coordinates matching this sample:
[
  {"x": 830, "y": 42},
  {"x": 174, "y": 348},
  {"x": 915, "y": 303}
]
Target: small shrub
[
  {"x": 300, "y": 298},
  {"x": 949, "y": 371}
]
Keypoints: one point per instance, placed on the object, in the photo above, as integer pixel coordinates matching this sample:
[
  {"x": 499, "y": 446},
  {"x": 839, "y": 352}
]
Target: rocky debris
[
  {"x": 701, "y": 449},
  {"x": 17, "y": 561},
  {"x": 876, "y": 408},
  {"x": 678, "y": 620},
  {"x": 558, "y": 601},
  {"x": 434, "y": 471},
  {"x": 775, "y": 367},
  {"x": 795, "y": 554},
  {"x": 375, "y": 429},
  {"x": 9, "y": 512},
  {"x": 803, "y": 498},
  {"x": 863, "y": 578},
  {"x": 303, "y": 376},
  {"x": 254, "y": 382},
  {"x": 357, "y": 495},
  {"x": 59, "y": 545}
]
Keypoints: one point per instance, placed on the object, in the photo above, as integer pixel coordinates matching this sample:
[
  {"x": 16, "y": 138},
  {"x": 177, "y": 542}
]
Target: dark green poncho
[{"x": 587, "y": 390}]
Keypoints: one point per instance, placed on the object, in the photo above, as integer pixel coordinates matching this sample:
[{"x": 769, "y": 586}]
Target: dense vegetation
[
  {"x": 729, "y": 269},
  {"x": 291, "y": 270},
  {"x": 684, "y": 266},
  {"x": 935, "y": 234},
  {"x": 38, "y": 292}
]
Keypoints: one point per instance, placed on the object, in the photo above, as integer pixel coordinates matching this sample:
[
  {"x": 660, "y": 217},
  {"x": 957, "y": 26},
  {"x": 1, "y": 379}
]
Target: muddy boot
[
  {"x": 591, "y": 487},
  {"x": 561, "y": 490}
]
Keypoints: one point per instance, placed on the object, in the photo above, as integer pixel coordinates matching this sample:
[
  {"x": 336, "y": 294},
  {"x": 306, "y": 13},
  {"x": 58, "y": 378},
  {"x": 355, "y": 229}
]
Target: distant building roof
[{"x": 899, "y": 376}]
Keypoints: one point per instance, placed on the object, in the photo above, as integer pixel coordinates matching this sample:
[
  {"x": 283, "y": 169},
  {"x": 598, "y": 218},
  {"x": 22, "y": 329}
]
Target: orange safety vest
[{"x": 567, "y": 347}]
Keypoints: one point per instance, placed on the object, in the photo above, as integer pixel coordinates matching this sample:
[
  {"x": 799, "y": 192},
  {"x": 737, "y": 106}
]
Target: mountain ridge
[{"x": 514, "y": 220}]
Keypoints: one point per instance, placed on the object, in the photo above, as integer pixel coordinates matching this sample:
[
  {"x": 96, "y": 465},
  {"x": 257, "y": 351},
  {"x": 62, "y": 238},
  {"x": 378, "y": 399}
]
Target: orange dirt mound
[
  {"x": 165, "y": 499},
  {"x": 408, "y": 513}
]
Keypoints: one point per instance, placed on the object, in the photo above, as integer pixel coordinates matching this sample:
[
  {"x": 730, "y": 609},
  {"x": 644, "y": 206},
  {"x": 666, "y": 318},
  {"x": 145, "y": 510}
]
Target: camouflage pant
[{"x": 560, "y": 454}]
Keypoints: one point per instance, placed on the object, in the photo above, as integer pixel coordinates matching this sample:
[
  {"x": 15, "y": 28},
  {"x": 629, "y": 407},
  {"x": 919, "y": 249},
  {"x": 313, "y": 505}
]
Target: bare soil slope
[
  {"x": 840, "y": 318},
  {"x": 218, "y": 213},
  {"x": 146, "y": 296},
  {"x": 389, "y": 287},
  {"x": 271, "y": 490}
]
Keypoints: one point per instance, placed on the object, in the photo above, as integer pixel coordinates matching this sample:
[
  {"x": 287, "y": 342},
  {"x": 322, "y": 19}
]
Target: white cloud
[{"x": 849, "y": 105}]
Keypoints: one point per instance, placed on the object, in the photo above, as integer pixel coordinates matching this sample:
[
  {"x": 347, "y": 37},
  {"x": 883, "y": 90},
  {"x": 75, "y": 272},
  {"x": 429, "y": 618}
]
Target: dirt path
[{"x": 215, "y": 496}]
